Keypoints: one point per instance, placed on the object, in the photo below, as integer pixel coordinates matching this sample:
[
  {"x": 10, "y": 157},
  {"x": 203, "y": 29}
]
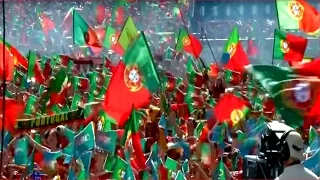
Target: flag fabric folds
[
  {"x": 298, "y": 14},
  {"x": 288, "y": 46}
]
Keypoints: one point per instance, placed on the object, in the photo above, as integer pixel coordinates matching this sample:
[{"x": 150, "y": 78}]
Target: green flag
[
  {"x": 83, "y": 34},
  {"x": 220, "y": 172},
  {"x": 128, "y": 34},
  {"x": 293, "y": 93},
  {"x": 312, "y": 134},
  {"x": 85, "y": 140},
  {"x": 119, "y": 169}
]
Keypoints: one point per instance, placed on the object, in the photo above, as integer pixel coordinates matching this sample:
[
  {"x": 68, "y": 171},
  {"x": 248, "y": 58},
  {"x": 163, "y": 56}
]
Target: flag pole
[
  {"x": 275, "y": 2},
  {"x": 185, "y": 26},
  {"x": 205, "y": 36},
  {"x": 3, "y": 83},
  {"x": 73, "y": 26},
  {"x": 273, "y": 46}
]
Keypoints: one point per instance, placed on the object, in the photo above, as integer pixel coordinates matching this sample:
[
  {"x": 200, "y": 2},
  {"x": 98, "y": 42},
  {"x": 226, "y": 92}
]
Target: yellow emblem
[
  {"x": 113, "y": 39},
  {"x": 284, "y": 46},
  {"x": 236, "y": 116},
  {"x": 232, "y": 49},
  {"x": 186, "y": 41},
  {"x": 15, "y": 61},
  {"x": 296, "y": 9},
  {"x": 132, "y": 78}
]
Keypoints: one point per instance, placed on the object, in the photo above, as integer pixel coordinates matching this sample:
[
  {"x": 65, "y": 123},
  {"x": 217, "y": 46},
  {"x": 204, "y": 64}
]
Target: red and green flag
[
  {"x": 237, "y": 57},
  {"x": 58, "y": 88},
  {"x": 132, "y": 133},
  {"x": 194, "y": 98},
  {"x": 232, "y": 77},
  {"x": 34, "y": 70},
  {"x": 288, "y": 46},
  {"x": 194, "y": 77},
  {"x": 83, "y": 34},
  {"x": 111, "y": 41},
  {"x": 128, "y": 34},
  {"x": 295, "y": 91},
  {"x": 298, "y": 14},
  {"x": 188, "y": 43},
  {"x": 132, "y": 83},
  {"x": 231, "y": 109},
  {"x": 168, "y": 82}
]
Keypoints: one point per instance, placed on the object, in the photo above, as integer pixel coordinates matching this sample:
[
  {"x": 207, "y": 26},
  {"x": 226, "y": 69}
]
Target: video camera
[{"x": 267, "y": 164}]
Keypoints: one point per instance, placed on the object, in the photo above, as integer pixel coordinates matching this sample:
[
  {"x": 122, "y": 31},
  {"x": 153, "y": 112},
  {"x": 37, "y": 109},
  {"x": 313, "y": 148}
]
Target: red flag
[
  {"x": 214, "y": 70},
  {"x": 195, "y": 47},
  {"x": 188, "y": 43},
  {"x": 119, "y": 99},
  {"x": 252, "y": 49},
  {"x": 309, "y": 69},
  {"x": 231, "y": 109},
  {"x": 120, "y": 15},
  {"x": 6, "y": 63},
  {"x": 239, "y": 60},
  {"x": 47, "y": 24},
  {"x": 12, "y": 110},
  {"x": 100, "y": 13}
]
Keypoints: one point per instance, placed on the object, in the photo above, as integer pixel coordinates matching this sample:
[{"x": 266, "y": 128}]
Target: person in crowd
[{"x": 291, "y": 149}]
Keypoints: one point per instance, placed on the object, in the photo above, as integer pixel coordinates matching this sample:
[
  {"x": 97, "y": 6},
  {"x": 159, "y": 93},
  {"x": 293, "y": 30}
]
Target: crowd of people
[
  {"x": 181, "y": 144},
  {"x": 56, "y": 123}
]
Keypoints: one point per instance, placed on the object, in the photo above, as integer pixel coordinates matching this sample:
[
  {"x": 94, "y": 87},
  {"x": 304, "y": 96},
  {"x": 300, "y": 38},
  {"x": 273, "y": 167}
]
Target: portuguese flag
[
  {"x": 83, "y": 34},
  {"x": 18, "y": 58},
  {"x": 188, "y": 43},
  {"x": 288, "y": 46},
  {"x": 238, "y": 58},
  {"x": 132, "y": 83},
  {"x": 231, "y": 109},
  {"x": 294, "y": 93},
  {"x": 298, "y": 14},
  {"x": 131, "y": 132},
  {"x": 111, "y": 41}
]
